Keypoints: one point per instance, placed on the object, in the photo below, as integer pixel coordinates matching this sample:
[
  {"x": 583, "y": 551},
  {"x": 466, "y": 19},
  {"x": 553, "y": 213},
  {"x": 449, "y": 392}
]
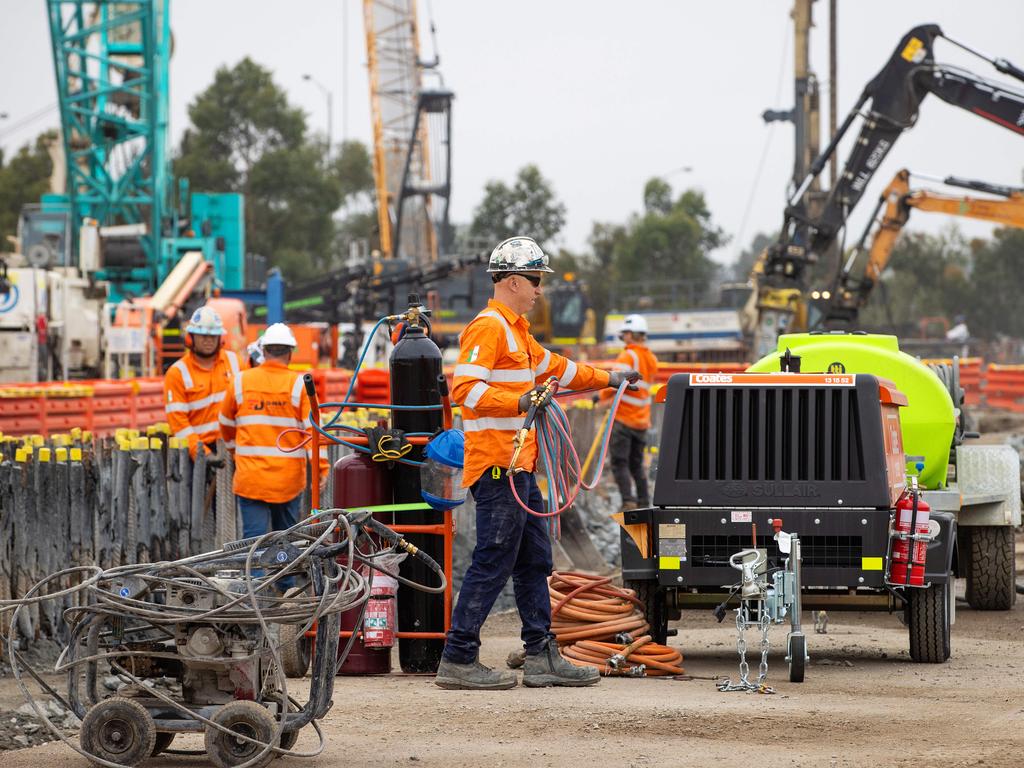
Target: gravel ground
[{"x": 863, "y": 703}]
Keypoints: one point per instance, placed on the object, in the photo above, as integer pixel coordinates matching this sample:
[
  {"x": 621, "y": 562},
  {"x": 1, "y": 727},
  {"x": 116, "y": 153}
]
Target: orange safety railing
[{"x": 1004, "y": 387}]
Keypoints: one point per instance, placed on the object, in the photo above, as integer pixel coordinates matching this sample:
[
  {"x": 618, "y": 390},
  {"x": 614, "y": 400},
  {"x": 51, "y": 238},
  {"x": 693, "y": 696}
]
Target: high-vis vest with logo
[
  {"x": 499, "y": 361},
  {"x": 193, "y": 396},
  {"x": 262, "y": 403},
  {"x": 635, "y": 405}
]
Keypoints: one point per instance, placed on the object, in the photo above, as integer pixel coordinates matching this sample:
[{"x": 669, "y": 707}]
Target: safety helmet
[
  {"x": 634, "y": 324},
  {"x": 518, "y": 254},
  {"x": 205, "y": 322},
  {"x": 279, "y": 334}
]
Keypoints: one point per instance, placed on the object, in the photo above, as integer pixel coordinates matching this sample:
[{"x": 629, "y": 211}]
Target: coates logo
[
  {"x": 734, "y": 490},
  {"x": 711, "y": 378}
]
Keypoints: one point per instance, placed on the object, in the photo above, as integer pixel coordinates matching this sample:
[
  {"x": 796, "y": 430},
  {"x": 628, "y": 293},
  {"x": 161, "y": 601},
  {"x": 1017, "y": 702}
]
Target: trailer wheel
[
  {"x": 991, "y": 568},
  {"x": 245, "y": 718},
  {"x": 653, "y": 599},
  {"x": 118, "y": 730},
  {"x": 296, "y": 650},
  {"x": 928, "y": 620},
  {"x": 797, "y": 657},
  {"x": 163, "y": 741}
]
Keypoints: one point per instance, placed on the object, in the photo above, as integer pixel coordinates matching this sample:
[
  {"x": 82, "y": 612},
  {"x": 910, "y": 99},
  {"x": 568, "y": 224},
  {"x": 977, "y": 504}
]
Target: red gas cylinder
[
  {"x": 359, "y": 481},
  {"x": 900, "y": 547}
]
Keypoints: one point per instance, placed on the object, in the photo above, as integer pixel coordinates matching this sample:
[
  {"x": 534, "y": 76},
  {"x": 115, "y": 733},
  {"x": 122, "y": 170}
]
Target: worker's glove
[
  {"x": 615, "y": 379},
  {"x": 524, "y": 401},
  {"x": 215, "y": 461}
]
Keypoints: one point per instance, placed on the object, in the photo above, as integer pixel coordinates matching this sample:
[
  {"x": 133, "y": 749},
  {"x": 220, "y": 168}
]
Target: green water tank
[{"x": 929, "y": 419}]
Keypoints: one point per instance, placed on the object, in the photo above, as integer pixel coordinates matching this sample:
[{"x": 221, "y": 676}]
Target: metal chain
[{"x": 744, "y": 684}]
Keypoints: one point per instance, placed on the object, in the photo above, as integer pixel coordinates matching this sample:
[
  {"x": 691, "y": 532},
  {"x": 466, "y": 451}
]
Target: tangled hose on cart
[{"x": 588, "y": 612}]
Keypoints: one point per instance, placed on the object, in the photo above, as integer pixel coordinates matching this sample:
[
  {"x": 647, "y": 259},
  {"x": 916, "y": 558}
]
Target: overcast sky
[{"x": 601, "y": 95}]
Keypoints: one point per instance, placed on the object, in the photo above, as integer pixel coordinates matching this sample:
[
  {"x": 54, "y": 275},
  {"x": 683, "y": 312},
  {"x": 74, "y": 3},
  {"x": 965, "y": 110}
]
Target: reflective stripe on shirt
[
  {"x": 509, "y": 336},
  {"x": 479, "y": 390},
  {"x": 268, "y": 421},
  {"x": 266, "y": 450},
  {"x": 186, "y": 376},
  {"x": 491, "y": 422},
  {"x": 297, "y": 391},
  {"x": 195, "y": 405}
]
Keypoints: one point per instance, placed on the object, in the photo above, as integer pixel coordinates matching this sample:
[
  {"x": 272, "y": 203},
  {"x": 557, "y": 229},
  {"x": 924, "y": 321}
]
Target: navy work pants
[
  {"x": 509, "y": 542},
  {"x": 627, "y": 451}
]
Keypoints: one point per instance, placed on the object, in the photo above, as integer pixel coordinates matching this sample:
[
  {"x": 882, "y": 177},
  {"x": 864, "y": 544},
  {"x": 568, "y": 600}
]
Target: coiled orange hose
[{"x": 588, "y": 611}]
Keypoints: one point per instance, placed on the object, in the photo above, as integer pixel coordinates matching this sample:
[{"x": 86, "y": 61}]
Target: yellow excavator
[{"x": 850, "y": 293}]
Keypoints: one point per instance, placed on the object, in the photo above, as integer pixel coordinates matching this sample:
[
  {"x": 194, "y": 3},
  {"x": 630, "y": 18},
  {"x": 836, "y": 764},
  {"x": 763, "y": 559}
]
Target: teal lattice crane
[{"x": 111, "y": 61}]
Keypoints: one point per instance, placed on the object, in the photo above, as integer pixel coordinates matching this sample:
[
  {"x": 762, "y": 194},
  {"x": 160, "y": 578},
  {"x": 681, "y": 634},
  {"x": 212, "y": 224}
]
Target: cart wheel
[
  {"x": 928, "y": 620},
  {"x": 797, "y": 657},
  {"x": 288, "y": 738},
  {"x": 647, "y": 592},
  {"x": 246, "y": 718},
  {"x": 296, "y": 650},
  {"x": 163, "y": 741},
  {"x": 118, "y": 730}
]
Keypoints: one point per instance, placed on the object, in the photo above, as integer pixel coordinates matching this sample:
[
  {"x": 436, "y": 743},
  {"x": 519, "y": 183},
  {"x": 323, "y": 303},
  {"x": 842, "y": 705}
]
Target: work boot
[
  {"x": 549, "y": 668},
  {"x": 472, "y": 677},
  {"x": 627, "y": 505}
]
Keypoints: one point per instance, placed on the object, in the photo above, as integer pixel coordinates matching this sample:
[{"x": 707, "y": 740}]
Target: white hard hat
[
  {"x": 518, "y": 254},
  {"x": 634, "y": 324},
  {"x": 205, "y": 322},
  {"x": 279, "y": 334}
]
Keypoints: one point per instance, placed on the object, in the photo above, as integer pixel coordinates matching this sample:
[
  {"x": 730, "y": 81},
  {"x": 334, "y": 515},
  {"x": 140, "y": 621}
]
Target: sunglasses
[{"x": 534, "y": 279}]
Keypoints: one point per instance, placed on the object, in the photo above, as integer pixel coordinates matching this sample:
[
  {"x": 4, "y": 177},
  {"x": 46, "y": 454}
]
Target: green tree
[
  {"x": 668, "y": 244},
  {"x": 997, "y": 283},
  {"x": 529, "y": 207},
  {"x": 23, "y": 180},
  {"x": 245, "y": 137},
  {"x": 927, "y": 276}
]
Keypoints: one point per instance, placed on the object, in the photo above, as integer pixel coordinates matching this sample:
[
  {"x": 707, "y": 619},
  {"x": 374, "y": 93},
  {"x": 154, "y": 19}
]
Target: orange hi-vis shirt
[
  {"x": 193, "y": 396},
  {"x": 499, "y": 362},
  {"x": 261, "y": 404},
  {"x": 635, "y": 405}
]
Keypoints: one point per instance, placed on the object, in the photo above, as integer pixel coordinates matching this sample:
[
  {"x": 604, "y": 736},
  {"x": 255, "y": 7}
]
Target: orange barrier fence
[
  {"x": 101, "y": 407},
  {"x": 104, "y": 406},
  {"x": 1004, "y": 387}
]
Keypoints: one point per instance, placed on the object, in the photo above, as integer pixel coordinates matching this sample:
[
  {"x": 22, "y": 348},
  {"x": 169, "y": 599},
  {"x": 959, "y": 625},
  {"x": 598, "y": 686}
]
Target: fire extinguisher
[
  {"x": 905, "y": 514},
  {"x": 381, "y": 613}
]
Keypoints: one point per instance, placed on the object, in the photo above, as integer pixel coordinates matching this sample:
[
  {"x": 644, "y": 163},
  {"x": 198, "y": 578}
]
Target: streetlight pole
[{"x": 330, "y": 111}]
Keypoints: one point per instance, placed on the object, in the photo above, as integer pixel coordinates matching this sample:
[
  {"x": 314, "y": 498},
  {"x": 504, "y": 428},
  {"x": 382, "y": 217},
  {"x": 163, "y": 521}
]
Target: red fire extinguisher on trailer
[{"x": 908, "y": 522}]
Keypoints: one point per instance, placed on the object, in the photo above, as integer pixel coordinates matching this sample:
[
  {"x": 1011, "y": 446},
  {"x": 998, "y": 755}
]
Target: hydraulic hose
[{"x": 559, "y": 459}]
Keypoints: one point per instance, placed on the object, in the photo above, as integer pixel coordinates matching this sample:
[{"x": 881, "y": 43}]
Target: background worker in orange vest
[
  {"x": 194, "y": 386},
  {"x": 633, "y": 418},
  {"x": 499, "y": 364},
  {"x": 261, "y": 404}
]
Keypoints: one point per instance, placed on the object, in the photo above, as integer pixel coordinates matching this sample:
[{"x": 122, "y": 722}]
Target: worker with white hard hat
[
  {"x": 499, "y": 365},
  {"x": 263, "y": 403},
  {"x": 633, "y": 417},
  {"x": 194, "y": 386}
]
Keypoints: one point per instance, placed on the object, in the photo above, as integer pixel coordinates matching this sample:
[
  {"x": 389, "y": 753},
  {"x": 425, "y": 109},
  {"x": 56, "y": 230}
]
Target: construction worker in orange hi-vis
[
  {"x": 633, "y": 418},
  {"x": 499, "y": 365},
  {"x": 261, "y": 404},
  {"x": 194, "y": 386}
]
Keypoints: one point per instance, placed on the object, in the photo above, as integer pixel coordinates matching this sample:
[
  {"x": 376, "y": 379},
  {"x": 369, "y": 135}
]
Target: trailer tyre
[
  {"x": 991, "y": 570},
  {"x": 296, "y": 650},
  {"x": 653, "y": 600},
  {"x": 928, "y": 620},
  {"x": 797, "y": 658}
]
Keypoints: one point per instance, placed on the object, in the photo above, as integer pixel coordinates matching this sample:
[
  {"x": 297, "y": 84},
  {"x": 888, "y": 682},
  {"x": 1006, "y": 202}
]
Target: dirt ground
[{"x": 863, "y": 703}]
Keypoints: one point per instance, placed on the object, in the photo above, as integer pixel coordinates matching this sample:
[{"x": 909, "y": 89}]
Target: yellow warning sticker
[
  {"x": 912, "y": 51},
  {"x": 871, "y": 563},
  {"x": 668, "y": 563}
]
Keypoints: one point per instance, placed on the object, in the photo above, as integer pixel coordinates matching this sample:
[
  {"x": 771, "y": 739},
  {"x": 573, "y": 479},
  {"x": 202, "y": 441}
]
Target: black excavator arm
[{"x": 895, "y": 95}]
